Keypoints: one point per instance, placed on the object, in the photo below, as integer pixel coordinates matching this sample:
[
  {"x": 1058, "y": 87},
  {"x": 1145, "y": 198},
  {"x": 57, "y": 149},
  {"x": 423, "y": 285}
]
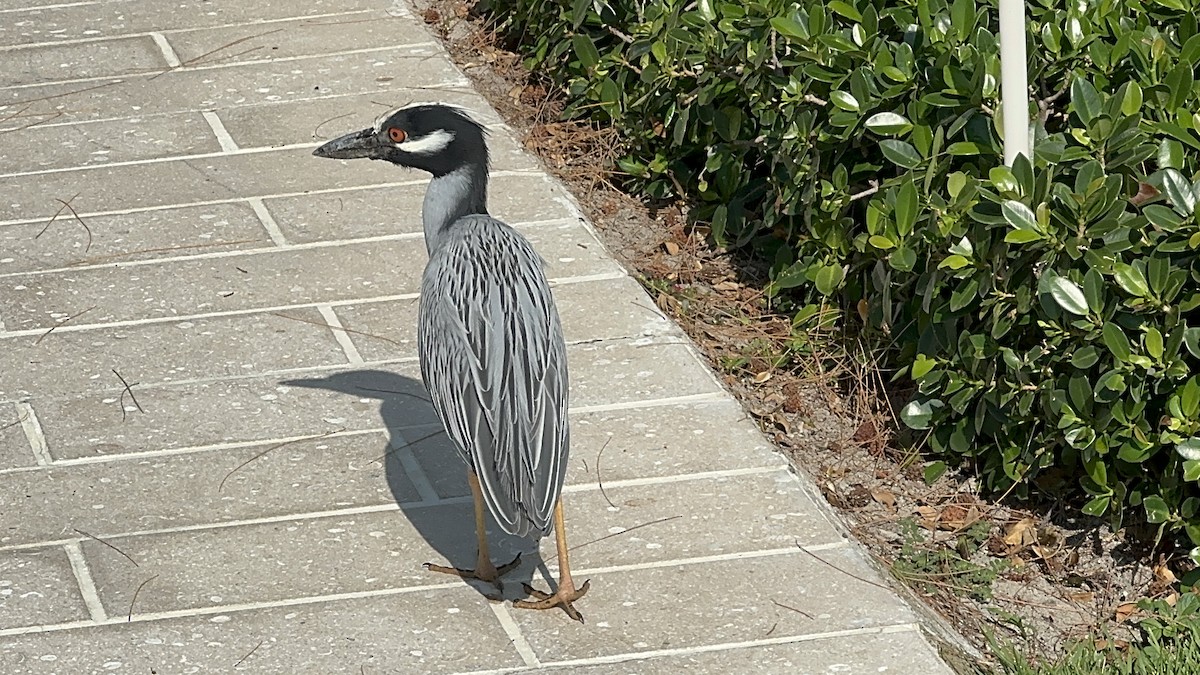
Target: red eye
[{"x": 397, "y": 135}]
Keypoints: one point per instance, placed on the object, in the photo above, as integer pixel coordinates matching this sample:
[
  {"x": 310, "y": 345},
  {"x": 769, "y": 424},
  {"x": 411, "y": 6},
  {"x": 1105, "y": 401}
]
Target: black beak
[{"x": 351, "y": 146}]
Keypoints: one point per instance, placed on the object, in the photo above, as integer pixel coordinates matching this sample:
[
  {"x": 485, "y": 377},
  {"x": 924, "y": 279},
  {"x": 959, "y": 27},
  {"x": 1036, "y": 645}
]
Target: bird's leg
[
  {"x": 484, "y": 570},
  {"x": 566, "y": 593}
]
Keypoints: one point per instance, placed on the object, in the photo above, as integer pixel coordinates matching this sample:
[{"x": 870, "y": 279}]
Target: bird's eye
[{"x": 397, "y": 135}]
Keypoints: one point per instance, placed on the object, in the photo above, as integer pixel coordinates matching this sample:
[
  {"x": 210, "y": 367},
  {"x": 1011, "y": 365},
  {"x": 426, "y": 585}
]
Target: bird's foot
[
  {"x": 485, "y": 571},
  {"x": 564, "y": 597}
]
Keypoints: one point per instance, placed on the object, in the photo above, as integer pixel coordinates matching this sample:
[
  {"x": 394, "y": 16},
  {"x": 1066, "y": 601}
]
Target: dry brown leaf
[
  {"x": 672, "y": 248},
  {"x": 1021, "y": 534},
  {"x": 884, "y": 497},
  {"x": 1125, "y": 610},
  {"x": 1118, "y": 644},
  {"x": 958, "y": 517},
  {"x": 929, "y": 516},
  {"x": 1164, "y": 575},
  {"x": 1145, "y": 193}
]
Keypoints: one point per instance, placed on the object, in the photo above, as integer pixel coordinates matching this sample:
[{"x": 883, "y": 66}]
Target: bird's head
[{"x": 433, "y": 137}]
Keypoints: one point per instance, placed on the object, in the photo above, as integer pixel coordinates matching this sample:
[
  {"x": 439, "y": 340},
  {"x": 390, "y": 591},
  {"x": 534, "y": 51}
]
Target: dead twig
[
  {"x": 163, "y": 249},
  {"x": 70, "y": 208},
  {"x": 835, "y": 567},
  {"x": 68, "y": 93},
  {"x": 221, "y": 486},
  {"x": 132, "y": 601},
  {"x": 599, "y": 478},
  {"x": 19, "y": 420},
  {"x": 866, "y": 193},
  {"x": 56, "y": 215},
  {"x": 383, "y": 458},
  {"x": 341, "y": 328},
  {"x": 617, "y": 534},
  {"x": 798, "y": 611},
  {"x": 196, "y": 59},
  {"x": 55, "y": 326},
  {"x": 128, "y": 390},
  {"x": 393, "y": 391},
  {"x": 624, "y": 37},
  {"x": 318, "y": 127},
  {"x": 94, "y": 537},
  {"x": 241, "y": 660}
]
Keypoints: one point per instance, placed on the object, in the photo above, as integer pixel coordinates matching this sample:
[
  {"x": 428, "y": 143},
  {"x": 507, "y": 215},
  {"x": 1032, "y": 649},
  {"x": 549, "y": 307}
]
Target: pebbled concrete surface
[{"x": 261, "y": 497}]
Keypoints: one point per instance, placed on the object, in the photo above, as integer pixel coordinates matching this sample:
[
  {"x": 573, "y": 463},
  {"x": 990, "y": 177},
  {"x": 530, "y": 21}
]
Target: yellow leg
[
  {"x": 566, "y": 593},
  {"x": 484, "y": 570}
]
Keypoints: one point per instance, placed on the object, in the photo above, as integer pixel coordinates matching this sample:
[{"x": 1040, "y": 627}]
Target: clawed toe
[{"x": 564, "y": 597}]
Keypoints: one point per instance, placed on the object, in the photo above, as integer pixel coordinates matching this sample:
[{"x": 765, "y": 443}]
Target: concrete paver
[{"x": 267, "y": 501}]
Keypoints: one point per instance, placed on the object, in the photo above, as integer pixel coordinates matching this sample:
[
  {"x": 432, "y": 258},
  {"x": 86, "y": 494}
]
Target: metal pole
[{"x": 1014, "y": 80}]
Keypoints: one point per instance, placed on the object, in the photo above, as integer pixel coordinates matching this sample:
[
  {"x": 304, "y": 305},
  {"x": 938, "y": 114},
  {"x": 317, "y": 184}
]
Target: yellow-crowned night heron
[{"x": 490, "y": 343}]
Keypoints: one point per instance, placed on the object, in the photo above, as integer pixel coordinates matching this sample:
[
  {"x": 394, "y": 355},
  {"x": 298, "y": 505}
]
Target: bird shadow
[{"x": 428, "y": 480}]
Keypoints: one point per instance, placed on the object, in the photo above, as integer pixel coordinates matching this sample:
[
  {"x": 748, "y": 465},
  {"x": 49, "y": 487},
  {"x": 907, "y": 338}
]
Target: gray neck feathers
[{"x": 451, "y": 196}]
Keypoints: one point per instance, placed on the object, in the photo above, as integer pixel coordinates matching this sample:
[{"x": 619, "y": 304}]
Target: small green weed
[{"x": 934, "y": 567}]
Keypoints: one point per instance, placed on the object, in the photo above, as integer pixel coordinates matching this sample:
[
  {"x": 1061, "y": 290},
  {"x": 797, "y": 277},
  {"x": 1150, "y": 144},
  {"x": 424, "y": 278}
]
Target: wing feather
[{"x": 494, "y": 361}]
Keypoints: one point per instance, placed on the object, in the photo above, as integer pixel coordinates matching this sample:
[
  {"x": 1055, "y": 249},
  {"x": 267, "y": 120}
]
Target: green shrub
[{"x": 1044, "y": 311}]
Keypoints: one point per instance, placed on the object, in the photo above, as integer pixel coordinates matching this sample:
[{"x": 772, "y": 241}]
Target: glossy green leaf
[
  {"x": 900, "y": 153},
  {"x": 1131, "y": 279},
  {"x": 916, "y": 414},
  {"x": 585, "y": 50},
  {"x": 844, "y": 100},
  {"x": 907, "y": 206},
  {"x": 1154, "y": 343},
  {"x": 888, "y": 124},
  {"x": 789, "y": 28},
  {"x": 1179, "y": 192},
  {"x": 1116, "y": 341},
  {"x": 1170, "y": 154},
  {"x": 1157, "y": 510},
  {"x": 845, "y": 9},
  {"x": 1096, "y": 506},
  {"x": 1018, "y": 215},
  {"x": 953, "y": 262},
  {"x": 1084, "y": 100},
  {"x": 1068, "y": 295},
  {"x": 1002, "y": 179},
  {"x": 881, "y": 242},
  {"x": 934, "y": 471},
  {"x": 1131, "y": 103}
]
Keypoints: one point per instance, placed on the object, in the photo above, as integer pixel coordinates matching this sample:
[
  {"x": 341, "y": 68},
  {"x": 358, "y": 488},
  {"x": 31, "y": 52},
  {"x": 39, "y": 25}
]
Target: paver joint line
[
  {"x": 87, "y": 585},
  {"x": 224, "y": 139},
  {"x": 150, "y": 74},
  {"x": 268, "y": 222},
  {"x": 340, "y": 334},
  {"x": 32, "y": 427},
  {"x": 385, "y": 592},
  {"x": 513, "y": 631},
  {"x": 429, "y": 499},
  {"x": 168, "y": 52}
]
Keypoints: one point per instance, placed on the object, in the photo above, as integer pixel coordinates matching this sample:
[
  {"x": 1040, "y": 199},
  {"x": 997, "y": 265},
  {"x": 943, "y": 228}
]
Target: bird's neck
[{"x": 462, "y": 192}]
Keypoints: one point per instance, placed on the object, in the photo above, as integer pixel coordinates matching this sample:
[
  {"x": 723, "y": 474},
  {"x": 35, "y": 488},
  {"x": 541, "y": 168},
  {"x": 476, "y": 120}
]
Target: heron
[{"x": 490, "y": 340}]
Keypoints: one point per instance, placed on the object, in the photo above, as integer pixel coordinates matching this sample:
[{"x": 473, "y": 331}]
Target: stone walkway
[{"x": 215, "y": 455}]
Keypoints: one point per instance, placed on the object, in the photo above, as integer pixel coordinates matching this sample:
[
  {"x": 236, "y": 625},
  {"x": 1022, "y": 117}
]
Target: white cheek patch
[{"x": 429, "y": 144}]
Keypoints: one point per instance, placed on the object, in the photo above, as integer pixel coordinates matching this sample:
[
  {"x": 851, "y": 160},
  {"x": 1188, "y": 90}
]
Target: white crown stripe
[{"x": 429, "y": 144}]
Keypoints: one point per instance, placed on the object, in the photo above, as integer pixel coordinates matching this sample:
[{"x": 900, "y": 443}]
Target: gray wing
[{"x": 494, "y": 361}]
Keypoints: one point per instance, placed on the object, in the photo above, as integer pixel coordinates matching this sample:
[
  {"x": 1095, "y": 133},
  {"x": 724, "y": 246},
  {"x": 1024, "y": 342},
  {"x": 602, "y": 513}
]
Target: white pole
[{"x": 1014, "y": 80}]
